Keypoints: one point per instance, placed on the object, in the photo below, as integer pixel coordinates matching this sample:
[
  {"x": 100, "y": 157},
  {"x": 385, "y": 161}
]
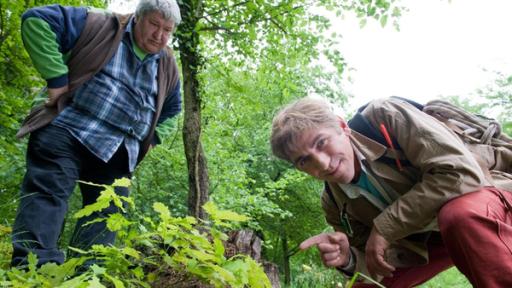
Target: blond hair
[{"x": 295, "y": 118}]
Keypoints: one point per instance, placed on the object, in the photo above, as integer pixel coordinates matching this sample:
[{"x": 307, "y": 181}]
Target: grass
[{"x": 450, "y": 278}]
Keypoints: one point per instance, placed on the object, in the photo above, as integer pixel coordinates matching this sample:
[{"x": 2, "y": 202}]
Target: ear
[{"x": 344, "y": 126}]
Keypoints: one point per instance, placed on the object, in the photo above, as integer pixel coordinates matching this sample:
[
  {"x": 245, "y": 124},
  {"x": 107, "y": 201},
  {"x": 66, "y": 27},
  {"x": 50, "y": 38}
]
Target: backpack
[{"x": 471, "y": 128}]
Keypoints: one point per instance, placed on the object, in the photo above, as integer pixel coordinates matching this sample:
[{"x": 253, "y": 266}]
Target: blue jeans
[{"x": 55, "y": 161}]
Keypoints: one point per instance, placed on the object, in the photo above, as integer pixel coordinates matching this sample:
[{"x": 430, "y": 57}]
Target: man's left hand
[{"x": 375, "y": 255}]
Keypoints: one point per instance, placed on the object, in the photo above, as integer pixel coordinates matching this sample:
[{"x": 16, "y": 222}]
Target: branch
[
  {"x": 227, "y": 8},
  {"x": 215, "y": 27},
  {"x": 252, "y": 20},
  {"x": 278, "y": 25}
]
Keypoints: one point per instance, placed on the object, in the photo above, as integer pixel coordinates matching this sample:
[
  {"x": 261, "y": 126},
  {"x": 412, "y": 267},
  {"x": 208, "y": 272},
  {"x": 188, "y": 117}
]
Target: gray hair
[
  {"x": 169, "y": 9},
  {"x": 297, "y": 117}
]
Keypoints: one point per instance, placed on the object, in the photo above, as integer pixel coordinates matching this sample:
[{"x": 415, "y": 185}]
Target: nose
[
  {"x": 321, "y": 161},
  {"x": 158, "y": 34}
]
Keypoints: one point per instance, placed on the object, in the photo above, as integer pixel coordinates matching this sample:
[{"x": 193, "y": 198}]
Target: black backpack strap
[{"x": 360, "y": 124}]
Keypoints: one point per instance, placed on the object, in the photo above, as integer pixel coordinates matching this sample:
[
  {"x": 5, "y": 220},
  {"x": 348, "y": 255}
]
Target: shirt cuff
[
  {"x": 350, "y": 268},
  {"x": 57, "y": 82}
]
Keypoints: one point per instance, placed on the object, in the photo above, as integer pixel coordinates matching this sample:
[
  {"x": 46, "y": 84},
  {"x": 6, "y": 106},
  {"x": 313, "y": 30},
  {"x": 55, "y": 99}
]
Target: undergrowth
[{"x": 152, "y": 248}]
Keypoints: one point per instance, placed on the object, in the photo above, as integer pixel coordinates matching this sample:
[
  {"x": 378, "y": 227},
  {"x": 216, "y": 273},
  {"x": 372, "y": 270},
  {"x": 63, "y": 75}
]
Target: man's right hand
[
  {"x": 334, "y": 248},
  {"x": 54, "y": 94}
]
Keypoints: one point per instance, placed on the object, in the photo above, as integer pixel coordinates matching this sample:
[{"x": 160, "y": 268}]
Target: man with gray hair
[
  {"x": 111, "y": 79},
  {"x": 407, "y": 200}
]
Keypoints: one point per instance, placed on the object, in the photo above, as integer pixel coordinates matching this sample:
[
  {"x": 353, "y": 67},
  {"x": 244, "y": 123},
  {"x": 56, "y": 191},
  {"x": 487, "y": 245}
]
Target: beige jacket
[{"x": 441, "y": 168}]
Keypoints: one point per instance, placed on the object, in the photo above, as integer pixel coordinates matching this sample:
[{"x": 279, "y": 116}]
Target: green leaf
[
  {"x": 232, "y": 216},
  {"x": 224, "y": 274},
  {"x": 384, "y": 20},
  {"x": 54, "y": 273},
  {"x": 116, "y": 222},
  {"x": 98, "y": 270},
  {"x": 162, "y": 210},
  {"x": 219, "y": 247},
  {"x": 32, "y": 262},
  {"x": 131, "y": 252},
  {"x": 81, "y": 281},
  {"x": 123, "y": 182},
  {"x": 240, "y": 268},
  {"x": 94, "y": 283},
  {"x": 219, "y": 215},
  {"x": 117, "y": 283},
  {"x": 89, "y": 209},
  {"x": 201, "y": 255}
]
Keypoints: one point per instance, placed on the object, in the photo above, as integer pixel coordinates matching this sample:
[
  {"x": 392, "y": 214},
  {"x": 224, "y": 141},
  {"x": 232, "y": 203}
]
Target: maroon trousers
[{"x": 477, "y": 233}]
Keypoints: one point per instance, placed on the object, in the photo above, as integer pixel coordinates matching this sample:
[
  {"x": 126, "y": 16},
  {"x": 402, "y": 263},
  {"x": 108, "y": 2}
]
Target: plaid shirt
[{"x": 117, "y": 105}]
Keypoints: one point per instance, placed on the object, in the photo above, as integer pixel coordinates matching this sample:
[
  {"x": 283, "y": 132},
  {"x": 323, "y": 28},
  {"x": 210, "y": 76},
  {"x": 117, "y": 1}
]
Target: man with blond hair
[
  {"x": 110, "y": 80},
  {"x": 400, "y": 219}
]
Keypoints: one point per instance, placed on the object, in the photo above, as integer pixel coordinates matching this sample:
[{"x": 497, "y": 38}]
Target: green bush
[{"x": 149, "y": 250}]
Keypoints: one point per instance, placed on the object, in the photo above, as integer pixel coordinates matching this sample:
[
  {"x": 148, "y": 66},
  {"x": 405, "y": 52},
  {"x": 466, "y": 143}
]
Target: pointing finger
[{"x": 312, "y": 241}]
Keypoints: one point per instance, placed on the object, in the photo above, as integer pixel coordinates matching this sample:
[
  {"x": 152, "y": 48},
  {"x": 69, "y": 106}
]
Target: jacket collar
[{"x": 370, "y": 149}]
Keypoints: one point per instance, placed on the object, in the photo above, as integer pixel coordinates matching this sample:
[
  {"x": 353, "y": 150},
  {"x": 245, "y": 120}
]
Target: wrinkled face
[
  {"x": 326, "y": 154},
  {"x": 152, "y": 32}
]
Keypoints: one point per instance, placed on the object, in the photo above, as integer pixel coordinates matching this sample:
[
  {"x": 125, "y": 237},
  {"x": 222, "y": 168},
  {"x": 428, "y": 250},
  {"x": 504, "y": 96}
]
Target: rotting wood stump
[{"x": 244, "y": 242}]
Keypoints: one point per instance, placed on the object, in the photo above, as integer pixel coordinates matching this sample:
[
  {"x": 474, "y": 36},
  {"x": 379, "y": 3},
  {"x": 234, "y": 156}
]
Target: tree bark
[
  {"x": 191, "y": 62},
  {"x": 248, "y": 243}
]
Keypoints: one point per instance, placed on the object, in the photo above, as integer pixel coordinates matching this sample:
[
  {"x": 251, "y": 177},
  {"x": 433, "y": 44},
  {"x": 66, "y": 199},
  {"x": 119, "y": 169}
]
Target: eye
[
  {"x": 321, "y": 143},
  {"x": 301, "y": 162}
]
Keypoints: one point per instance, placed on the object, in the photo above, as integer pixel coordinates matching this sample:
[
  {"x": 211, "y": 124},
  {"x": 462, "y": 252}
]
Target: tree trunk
[
  {"x": 190, "y": 62},
  {"x": 248, "y": 243}
]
